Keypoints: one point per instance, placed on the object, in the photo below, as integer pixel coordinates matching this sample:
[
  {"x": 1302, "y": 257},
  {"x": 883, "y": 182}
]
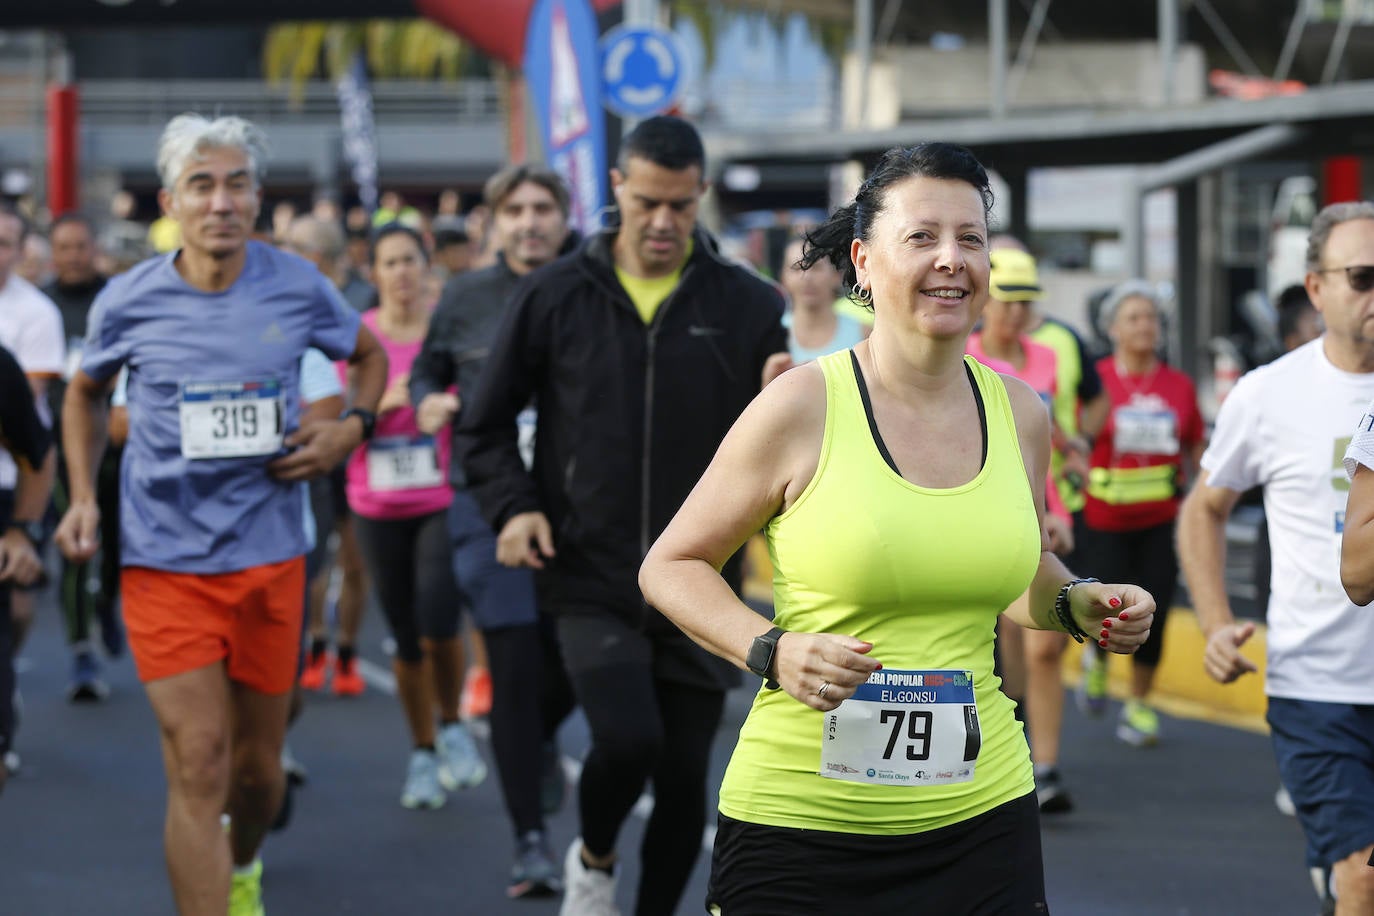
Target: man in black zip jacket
[
  {"x": 640, "y": 350},
  {"x": 530, "y": 692}
]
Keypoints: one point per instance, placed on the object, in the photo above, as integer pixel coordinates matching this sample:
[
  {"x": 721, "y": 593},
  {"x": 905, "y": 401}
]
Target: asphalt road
[{"x": 1188, "y": 827}]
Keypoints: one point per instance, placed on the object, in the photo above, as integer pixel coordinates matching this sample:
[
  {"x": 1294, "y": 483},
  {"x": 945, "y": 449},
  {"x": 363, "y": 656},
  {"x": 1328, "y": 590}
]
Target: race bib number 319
[
  {"x": 231, "y": 419},
  {"x": 904, "y": 728}
]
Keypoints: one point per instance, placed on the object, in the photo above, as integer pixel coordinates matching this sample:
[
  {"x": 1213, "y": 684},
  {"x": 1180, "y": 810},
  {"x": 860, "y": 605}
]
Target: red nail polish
[
  {"x": 1114, "y": 602},
  {"x": 1102, "y": 643},
  {"x": 1106, "y": 633},
  {"x": 880, "y": 667},
  {"x": 1107, "y": 623},
  {"x": 1124, "y": 616}
]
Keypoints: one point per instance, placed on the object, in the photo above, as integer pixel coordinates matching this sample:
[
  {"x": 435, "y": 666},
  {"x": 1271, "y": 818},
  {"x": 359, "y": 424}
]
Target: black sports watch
[
  {"x": 761, "y": 656},
  {"x": 368, "y": 417},
  {"x": 35, "y": 531}
]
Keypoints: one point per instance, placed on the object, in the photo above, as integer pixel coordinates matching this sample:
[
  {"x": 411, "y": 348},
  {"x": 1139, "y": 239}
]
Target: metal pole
[
  {"x": 1218, "y": 155},
  {"x": 863, "y": 50},
  {"x": 1333, "y": 57},
  {"x": 1168, "y": 48},
  {"x": 997, "y": 54},
  {"x": 1290, "y": 43},
  {"x": 1025, "y": 50},
  {"x": 1133, "y": 229}
]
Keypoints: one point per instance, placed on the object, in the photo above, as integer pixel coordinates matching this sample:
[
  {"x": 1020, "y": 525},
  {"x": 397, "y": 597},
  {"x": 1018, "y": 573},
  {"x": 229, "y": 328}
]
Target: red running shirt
[{"x": 1154, "y": 421}]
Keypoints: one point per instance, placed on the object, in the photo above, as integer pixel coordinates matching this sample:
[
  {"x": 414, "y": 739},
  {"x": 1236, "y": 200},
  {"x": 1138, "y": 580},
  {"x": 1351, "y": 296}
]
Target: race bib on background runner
[
  {"x": 904, "y": 728},
  {"x": 403, "y": 463},
  {"x": 1143, "y": 431},
  {"x": 231, "y": 419}
]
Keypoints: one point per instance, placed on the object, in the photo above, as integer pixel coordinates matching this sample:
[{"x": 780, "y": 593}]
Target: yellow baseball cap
[{"x": 1014, "y": 277}]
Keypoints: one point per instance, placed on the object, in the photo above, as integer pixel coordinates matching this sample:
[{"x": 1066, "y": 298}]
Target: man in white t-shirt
[
  {"x": 31, "y": 329},
  {"x": 1286, "y": 427}
]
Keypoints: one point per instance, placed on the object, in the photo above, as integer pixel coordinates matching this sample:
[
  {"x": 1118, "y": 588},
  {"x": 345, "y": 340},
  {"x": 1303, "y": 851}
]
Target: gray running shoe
[
  {"x": 422, "y": 788},
  {"x": 86, "y": 685},
  {"x": 535, "y": 873},
  {"x": 460, "y": 763}
]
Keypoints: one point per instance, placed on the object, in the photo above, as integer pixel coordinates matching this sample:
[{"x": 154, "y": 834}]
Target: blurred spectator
[
  {"x": 35, "y": 263},
  {"x": 452, "y": 251},
  {"x": 1299, "y": 320},
  {"x": 164, "y": 234},
  {"x": 124, "y": 240},
  {"x": 814, "y": 328},
  {"x": 357, "y": 285},
  {"x": 393, "y": 209},
  {"x": 326, "y": 209},
  {"x": 75, "y": 279},
  {"x": 484, "y": 247},
  {"x": 282, "y": 215}
]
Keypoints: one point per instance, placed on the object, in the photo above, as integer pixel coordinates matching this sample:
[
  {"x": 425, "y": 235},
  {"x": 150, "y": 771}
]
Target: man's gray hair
[
  {"x": 187, "y": 137},
  {"x": 1329, "y": 218},
  {"x": 1127, "y": 289}
]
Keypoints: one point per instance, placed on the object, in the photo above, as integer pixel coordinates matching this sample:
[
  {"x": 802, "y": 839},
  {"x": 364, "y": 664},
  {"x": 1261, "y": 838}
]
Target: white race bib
[
  {"x": 403, "y": 463},
  {"x": 1142, "y": 431},
  {"x": 525, "y": 423},
  {"x": 904, "y": 728},
  {"x": 231, "y": 419}
]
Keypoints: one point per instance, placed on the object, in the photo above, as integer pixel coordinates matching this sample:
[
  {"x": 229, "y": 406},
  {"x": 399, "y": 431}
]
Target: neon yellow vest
[
  {"x": 1068, "y": 372},
  {"x": 922, "y": 574}
]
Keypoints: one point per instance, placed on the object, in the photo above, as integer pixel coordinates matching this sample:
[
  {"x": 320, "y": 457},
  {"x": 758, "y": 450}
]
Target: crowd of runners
[{"x": 541, "y": 454}]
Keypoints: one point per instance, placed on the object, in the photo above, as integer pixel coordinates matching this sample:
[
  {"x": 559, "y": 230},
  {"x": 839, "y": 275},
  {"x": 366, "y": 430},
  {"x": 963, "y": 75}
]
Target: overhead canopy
[{"x": 1336, "y": 119}]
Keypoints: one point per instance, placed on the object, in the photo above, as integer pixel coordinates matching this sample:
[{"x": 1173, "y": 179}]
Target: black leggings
[
  {"x": 408, "y": 560},
  {"x": 529, "y": 688},
  {"x": 1146, "y": 558},
  {"x": 6, "y": 673},
  {"x": 646, "y": 728}
]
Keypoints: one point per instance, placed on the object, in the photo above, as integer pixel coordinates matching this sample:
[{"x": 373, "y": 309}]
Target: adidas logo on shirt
[{"x": 273, "y": 334}]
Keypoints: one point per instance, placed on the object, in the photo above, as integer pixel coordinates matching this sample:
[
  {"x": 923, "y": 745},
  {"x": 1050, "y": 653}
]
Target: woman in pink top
[
  {"x": 1029, "y": 658},
  {"x": 397, "y": 486}
]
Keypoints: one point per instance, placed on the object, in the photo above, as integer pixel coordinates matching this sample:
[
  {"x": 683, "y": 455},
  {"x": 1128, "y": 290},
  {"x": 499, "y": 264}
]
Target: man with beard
[{"x": 530, "y": 693}]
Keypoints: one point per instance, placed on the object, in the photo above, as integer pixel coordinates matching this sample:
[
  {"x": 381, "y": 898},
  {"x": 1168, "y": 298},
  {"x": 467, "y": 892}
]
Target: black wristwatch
[
  {"x": 762, "y": 655},
  {"x": 36, "y": 532},
  {"x": 368, "y": 417}
]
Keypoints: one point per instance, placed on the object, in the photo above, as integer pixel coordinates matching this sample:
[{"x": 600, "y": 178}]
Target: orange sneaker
[
  {"x": 347, "y": 681},
  {"x": 316, "y": 667},
  {"x": 476, "y": 701}
]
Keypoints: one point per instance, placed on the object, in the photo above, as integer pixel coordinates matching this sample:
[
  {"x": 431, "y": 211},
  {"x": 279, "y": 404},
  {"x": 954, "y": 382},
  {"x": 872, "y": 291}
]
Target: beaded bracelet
[{"x": 1062, "y": 612}]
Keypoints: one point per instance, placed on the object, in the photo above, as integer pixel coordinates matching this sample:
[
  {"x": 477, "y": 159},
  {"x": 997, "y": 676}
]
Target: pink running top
[
  {"x": 400, "y": 473},
  {"x": 1041, "y": 373}
]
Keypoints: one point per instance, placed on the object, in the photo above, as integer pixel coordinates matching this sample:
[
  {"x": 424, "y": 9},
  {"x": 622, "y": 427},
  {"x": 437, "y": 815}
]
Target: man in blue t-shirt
[{"x": 211, "y": 525}]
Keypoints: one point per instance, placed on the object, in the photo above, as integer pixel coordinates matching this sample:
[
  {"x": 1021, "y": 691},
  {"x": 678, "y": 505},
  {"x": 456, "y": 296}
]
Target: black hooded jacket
[
  {"x": 629, "y": 415},
  {"x": 460, "y": 334}
]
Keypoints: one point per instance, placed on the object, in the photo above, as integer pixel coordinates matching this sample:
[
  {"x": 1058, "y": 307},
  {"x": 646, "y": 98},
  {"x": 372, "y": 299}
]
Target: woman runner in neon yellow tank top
[{"x": 901, "y": 487}]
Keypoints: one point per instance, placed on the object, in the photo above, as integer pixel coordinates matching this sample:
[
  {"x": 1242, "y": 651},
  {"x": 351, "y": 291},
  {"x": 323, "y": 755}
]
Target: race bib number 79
[{"x": 904, "y": 728}]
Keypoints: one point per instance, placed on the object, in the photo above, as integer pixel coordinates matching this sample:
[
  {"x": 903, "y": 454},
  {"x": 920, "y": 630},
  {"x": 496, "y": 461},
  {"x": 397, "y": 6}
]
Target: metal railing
[{"x": 131, "y": 102}]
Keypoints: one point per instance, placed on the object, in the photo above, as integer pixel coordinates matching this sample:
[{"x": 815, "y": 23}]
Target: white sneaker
[
  {"x": 460, "y": 763},
  {"x": 422, "y": 789},
  {"x": 1284, "y": 802},
  {"x": 586, "y": 891}
]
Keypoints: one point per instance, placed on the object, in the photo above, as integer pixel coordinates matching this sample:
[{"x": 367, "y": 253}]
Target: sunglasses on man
[{"x": 1359, "y": 276}]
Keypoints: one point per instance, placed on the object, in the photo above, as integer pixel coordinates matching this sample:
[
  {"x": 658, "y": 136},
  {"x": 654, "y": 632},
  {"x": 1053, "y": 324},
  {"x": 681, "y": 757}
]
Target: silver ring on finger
[{"x": 820, "y": 692}]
